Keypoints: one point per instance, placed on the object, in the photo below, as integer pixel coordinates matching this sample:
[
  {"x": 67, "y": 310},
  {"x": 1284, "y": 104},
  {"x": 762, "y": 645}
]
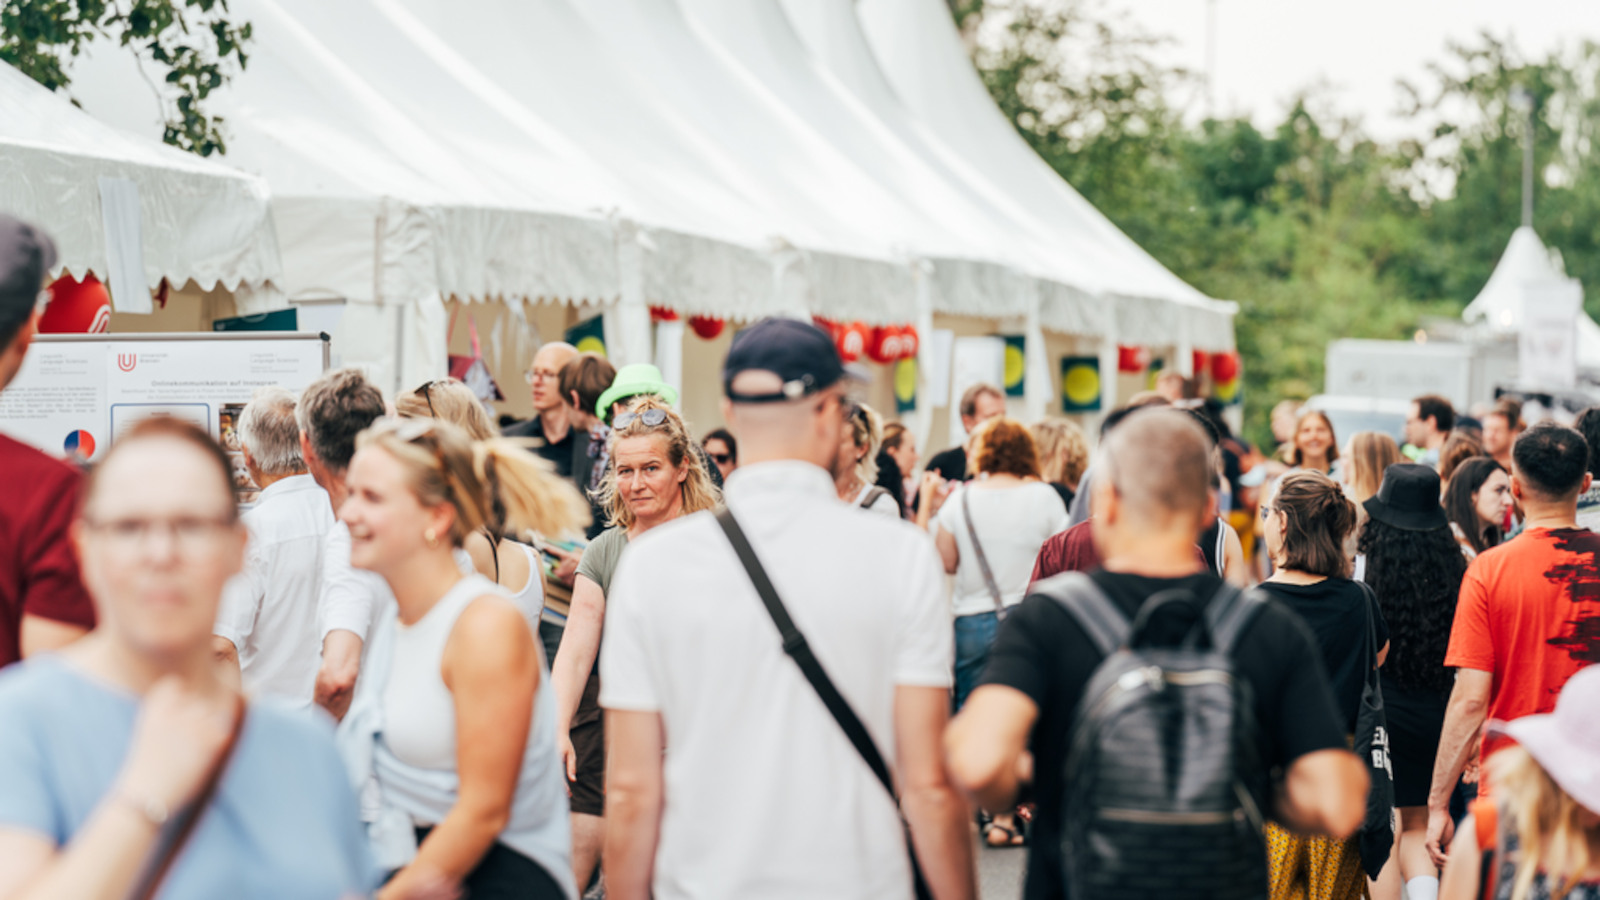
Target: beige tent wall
[
  {"x": 187, "y": 309},
  {"x": 509, "y": 354}
]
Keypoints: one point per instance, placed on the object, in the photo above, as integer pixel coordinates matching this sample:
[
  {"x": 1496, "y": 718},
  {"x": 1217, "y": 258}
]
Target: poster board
[{"x": 76, "y": 392}]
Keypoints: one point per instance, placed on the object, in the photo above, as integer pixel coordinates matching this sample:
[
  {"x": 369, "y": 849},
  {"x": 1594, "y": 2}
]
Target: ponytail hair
[
  {"x": 1317, "y": 517},
  {"x": 493, "y": 485}
]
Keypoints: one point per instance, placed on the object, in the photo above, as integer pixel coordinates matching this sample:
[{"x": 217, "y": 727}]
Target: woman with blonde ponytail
[
  {"x": 511, "y": 564},
  {"x": 1305, "y": 527},
  {"x": 451, "y": 738}
]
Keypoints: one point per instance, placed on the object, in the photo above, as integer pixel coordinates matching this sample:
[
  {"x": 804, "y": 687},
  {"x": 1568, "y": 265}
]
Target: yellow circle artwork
[
  {"x": 1015, "y": 365},
  {"x": 592, "y": 344},
  {"x": 1081, "y": 385},
  {"x": 905, "y": 380}
]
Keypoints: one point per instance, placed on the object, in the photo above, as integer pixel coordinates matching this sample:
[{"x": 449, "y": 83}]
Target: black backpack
[{"x": 1165, "y": 780}]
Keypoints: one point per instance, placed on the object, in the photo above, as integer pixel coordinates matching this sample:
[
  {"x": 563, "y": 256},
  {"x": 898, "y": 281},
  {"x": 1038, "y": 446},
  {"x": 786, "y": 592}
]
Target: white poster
[
  {"x": 74, "y": 394},
  {"x": 1547, "y": 354},
  {"x": 974, "y": 360},
  {"x": 57, "y": 402},
  {"x": 122, "y": 219}
]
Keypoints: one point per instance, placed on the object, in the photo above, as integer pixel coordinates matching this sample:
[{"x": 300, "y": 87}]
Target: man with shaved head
[
  {"x": 551, "y": 422},
  {"x": 1152, "y": 498}
]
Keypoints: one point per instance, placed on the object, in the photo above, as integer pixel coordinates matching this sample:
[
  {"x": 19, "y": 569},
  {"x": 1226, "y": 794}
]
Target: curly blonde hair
[
  {"x": 1063, "y": 451},
  {"x": 698, "y": 491},
  {"x": 866, "y": 432}
]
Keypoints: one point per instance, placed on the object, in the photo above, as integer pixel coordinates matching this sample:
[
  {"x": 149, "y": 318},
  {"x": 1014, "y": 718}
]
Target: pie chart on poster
[{"x": 80, "y": 443}]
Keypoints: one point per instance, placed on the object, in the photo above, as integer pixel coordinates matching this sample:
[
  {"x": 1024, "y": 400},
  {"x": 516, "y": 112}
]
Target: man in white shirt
[
  {"x": 332, "y": 411},
  {"x": 762, "y": 794},
  {"x": 267, "y": 622}
]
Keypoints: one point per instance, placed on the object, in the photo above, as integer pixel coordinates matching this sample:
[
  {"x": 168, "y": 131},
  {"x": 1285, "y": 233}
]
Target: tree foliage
[
  {"x": 192, "y": 44},
  {"x": 1317, "y": 230}
]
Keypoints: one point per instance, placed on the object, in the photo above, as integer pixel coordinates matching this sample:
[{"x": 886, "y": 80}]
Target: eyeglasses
[
  {"x": 721, "y": 459},
  {"x": 533, "y": 375},
  {"x": 1267, "y": 511},
  {"x": 425, "y": 392},
  {"x": 190, "y": 535},
  {"x": 652, "y": 418}
]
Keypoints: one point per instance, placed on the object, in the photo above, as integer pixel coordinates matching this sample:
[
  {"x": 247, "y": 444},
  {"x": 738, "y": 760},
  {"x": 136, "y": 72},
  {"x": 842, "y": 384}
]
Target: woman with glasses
[
  {"x": 722, "y": 450},
  {"x": 655, "y": 477},
  {"x": 855, "y": 469},
  {"x": 126, "y": 759},
  {"x": 511, "y": 564},
  {"x": 1305, "y": 527},
  {"x": 450, "y": 738}
]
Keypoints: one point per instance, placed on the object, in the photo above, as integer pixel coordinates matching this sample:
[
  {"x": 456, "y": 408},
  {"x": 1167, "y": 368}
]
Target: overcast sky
[{"x": 1268, "y": 49}]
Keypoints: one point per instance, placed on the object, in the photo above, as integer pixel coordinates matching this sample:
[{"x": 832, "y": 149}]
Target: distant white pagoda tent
[{"x": 1530, "y": 295}]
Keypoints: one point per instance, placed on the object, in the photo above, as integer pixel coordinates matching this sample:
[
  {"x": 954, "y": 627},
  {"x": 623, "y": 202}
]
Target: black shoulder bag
[
  {"x": 794, "y": 644},
  {"x": 1376, "y": 838}
]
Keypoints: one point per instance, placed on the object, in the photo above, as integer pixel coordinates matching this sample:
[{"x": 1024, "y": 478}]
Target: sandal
[{"x": 1010, "y": 837}]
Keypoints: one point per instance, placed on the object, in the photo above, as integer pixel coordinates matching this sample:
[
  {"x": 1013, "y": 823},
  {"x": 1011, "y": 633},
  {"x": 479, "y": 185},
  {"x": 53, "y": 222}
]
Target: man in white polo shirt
[
  {"x": 761, "y": 793},
  {"x": 267, "y": 623}
]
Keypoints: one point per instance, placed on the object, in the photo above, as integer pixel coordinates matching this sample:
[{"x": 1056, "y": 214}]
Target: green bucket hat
[{"x": 631, "y": 381}]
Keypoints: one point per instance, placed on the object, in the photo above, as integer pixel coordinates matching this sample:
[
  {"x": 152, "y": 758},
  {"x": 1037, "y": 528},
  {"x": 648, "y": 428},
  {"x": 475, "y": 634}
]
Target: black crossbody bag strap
[{"x": 795, "y": 645}]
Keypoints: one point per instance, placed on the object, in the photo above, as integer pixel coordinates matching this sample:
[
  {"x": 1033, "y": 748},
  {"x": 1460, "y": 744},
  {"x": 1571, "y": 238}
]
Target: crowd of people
[{"x": 597, "y": 651}]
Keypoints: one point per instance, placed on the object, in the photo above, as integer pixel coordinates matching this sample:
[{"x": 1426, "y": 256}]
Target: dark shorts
[
  {"x": 1415, "y": 720},
  {"x": 505, "y": 874},
  {"x": 589, "y": 789}
]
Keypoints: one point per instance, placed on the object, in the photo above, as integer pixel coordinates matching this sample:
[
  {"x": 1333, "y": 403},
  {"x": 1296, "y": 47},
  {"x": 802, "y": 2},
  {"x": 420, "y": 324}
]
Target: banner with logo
[
  {"x": 75, "y": 393},
  {"x": 1016, "y": 371},
  {"x": 589, "y": 336}
]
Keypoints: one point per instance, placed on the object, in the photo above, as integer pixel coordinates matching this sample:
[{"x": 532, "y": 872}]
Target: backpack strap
[
  {"x": 1104, "y": 623},
  {"x": 1229, "y": 613},
  {"x": 872, "y": 496}
]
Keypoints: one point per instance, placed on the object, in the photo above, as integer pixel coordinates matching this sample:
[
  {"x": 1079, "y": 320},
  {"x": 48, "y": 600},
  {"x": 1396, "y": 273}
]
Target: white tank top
[
  {"x": 530, "y": 600},
  {"x": 418, "y": 712}
]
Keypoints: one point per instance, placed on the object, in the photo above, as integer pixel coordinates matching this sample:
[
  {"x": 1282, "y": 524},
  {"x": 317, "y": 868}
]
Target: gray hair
[{"x": 267, "y": 428}]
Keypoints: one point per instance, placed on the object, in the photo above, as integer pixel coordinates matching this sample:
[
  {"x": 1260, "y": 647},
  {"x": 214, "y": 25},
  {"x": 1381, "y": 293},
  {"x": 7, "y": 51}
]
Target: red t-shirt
[
  {"x": 1529, "y": 614},
  {"x": 38, "y": 568},
  {"x": 1073, "y": 550}
]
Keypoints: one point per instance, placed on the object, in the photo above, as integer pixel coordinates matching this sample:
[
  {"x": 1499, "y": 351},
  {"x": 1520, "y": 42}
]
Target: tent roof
[
  {"x": 377, "y": 193},
  {"x": 917, "y": 48},
  {"x": 200, "y": 221},
  {"x": 1525, "y": 259}
]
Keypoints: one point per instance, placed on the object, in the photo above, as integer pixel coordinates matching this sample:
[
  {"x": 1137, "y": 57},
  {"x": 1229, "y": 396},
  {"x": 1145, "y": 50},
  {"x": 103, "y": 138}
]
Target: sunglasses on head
[
  {"x": 651, "y": 418},
  {"x": 424, "y": 392}
]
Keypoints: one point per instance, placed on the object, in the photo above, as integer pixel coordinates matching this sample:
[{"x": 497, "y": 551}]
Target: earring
[{"x": 432, "y": 537}]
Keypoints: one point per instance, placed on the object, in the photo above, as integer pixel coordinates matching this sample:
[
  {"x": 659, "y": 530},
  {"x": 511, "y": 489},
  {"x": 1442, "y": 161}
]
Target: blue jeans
[{"x": 974, "y": 635}]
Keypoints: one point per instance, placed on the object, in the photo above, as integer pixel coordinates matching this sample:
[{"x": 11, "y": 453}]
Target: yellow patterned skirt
[{"x": 1300, "y": 867}]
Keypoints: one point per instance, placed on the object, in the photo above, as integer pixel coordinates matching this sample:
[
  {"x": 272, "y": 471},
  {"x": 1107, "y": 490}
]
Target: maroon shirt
[
  {"x": 38, "y": 569},
  {"x": 1073, "y": 550}
]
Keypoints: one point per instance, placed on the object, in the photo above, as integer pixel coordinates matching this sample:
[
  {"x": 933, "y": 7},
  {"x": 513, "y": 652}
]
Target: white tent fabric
[
  {"x": 200, "y": 221},
  {"x": 915, "y": 44},
  {"x": 1499, "y": 306}
]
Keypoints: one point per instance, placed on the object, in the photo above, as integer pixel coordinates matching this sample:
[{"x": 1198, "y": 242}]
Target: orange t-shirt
[{"x": 1529, "y": 614}]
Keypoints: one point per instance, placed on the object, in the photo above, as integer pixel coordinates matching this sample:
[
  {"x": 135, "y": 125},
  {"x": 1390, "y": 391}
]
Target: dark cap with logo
[
  {"x": 26, "y": 257},
  {"x": 799, "y": 353}
]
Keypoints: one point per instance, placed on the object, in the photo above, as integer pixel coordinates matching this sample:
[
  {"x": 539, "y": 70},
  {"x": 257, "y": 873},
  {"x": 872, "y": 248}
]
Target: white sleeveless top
[
  {"x": 530, "y": 600},
  {"x": 419, "y": 713},
  {"x": 413, "y": 758}
]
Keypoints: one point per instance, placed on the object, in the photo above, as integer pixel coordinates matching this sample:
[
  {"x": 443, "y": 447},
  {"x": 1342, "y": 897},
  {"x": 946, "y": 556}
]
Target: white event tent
[
  {"x": 735, "y": 158},
  {"x": 1525, "y": 265},
  {"x": 199, "y": 221}
]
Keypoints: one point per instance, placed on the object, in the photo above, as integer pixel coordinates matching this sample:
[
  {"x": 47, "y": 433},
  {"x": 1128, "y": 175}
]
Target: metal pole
[
  {"x": 1211, "y": 59},
  {"x": 1527, "y": 168},
  {"x": 1522, "y": 99}
]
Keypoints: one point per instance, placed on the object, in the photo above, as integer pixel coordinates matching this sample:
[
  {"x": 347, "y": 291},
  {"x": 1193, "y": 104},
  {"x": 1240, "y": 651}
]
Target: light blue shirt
[{"x": 283, "y": 822}]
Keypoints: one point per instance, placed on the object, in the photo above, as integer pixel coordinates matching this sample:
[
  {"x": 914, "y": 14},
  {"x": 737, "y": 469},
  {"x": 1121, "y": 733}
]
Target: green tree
[{"x": 193, "y": 43}]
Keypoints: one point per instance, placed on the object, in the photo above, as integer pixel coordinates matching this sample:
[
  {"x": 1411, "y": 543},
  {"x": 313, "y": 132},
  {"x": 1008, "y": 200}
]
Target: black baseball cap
[
  {"x": 799, "y": 353},
  {"x": 26, "y": 257}
]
